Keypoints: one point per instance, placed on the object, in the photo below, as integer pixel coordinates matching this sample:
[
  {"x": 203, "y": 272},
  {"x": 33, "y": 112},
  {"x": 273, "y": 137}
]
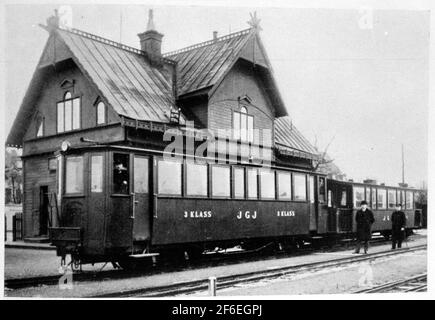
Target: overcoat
[
  {"x": 364, "y": 221},
  {"x": 398, "y": 221}
]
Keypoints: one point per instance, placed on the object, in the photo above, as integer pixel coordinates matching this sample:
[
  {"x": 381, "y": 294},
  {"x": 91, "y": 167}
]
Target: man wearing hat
[
  {"x": 398, "y": 223},
  {"x": 364, "y": 220}
]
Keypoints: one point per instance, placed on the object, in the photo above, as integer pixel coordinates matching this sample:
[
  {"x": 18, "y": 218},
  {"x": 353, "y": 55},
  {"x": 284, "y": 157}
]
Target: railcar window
[
  {"x": 299, "y": 187},
  {"x": 140, "y": 175},
  {"x": 252, "y": 184},
  {"x": 239, "y": 183},
  {"x": 409, "y": 200},
  {"x": 402, "y": 197},
  {"x": 374, "y": 199},
  {"x": 285, "y": 186},
  {"x": 312, "y": 193},
  {"x": 391, "y": 199},
  {"x": 382, "y": 198},
  {"x": 267, "y": 184},
  {"x": 121, "y": 173},
  {"x": 358, "y": 196},
  {"x": 97, "y": 173},
  {"x": 322, "y": 189},
  {"x": 74, "y": 175},
  {"x": 169, "y": 177},
  {"x": 368, "y": 195},
  {"x": 220, "y": 181},
  {"x": 196, "y": 179},
  {"x": 343, "y": 201}
]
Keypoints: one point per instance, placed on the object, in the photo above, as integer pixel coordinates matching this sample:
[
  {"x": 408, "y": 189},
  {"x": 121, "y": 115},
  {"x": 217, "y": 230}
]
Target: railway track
[
  {"x": 206, "y": 261},
  {"x": 412, "y": 284},
  {"x": 232, "y": 280}
]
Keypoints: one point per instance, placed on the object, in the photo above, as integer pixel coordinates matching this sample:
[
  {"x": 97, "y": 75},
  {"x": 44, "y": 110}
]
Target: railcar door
[
  {"x": 141, "y": 199},
  {"x": 96, "y": 203}
]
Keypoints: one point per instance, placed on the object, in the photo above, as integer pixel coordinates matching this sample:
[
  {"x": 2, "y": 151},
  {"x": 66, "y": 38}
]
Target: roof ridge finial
[
  {"x": 255, "y": 22},
  {"x": 151, "y": 25}
]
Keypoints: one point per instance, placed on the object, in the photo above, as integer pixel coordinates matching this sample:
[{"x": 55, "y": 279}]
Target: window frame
[
  {"x": 133, "y": 173},
  {"x": 91, "y": 155},
  {"x": 257, "y": 197},
  {"x": 243, "y": 118},
  {"x": 182, "y": 180},
  {"x": 184, "y": 185},
  {"x": 96, "y": 113},
  {"x": 354, "y": 189},
  {"x": 259, "y": 175},
  {"x": 62, "y": 102},
  {"x": 74, "y": 194},
  {"x": 293, "y": 186},
  {"x": 211, "y": 181},
  {"x": 277, "y": 187},
  {"x": 393, "y": 191},
  {"x": 112, "y": 188},
  {"x": 233, "y": 182},
  {"x": 385, "y": 200},
  {"x": 411, "y": 202}
]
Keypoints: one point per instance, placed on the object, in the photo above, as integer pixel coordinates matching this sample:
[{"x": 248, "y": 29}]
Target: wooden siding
[
  {"x": 36, "y": 174},
  {"x": 46, "y": 105},
  {"x": 240, "y": 81}
]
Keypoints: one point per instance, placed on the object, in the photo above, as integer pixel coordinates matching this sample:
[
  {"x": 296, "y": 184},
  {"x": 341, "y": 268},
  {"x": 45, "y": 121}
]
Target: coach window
[
  {"x": 121, "y": 179},
  {"x": 220, "y": 177},
  {"x": 409, "y": 200},
  {"x": 299, "y": 187},
  {"x": 252, "y": 184},
  {"x": 169, "y": 177},
  {"x": 343, "y": 200},
  {"x": 267, "y": 184},
  {"x": 196, "y": 179},
  {"x": 382, "y": 199},
  {"x": 402, "y": 197},
  {"x": 358, "y": 196},
  {"x": 74, "y": 175},
  {"x": 374, "y": 198},
  {"x": 97, "y": 173},
  {"x": 391, "y": 199},
  {"x": 239, "y": 183},
  {"x": 285, "y": 186}
]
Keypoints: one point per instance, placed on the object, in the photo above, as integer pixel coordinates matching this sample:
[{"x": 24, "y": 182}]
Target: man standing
[
  {"x": 398, "y": 223},
  {"x": 364, "y": 220}
]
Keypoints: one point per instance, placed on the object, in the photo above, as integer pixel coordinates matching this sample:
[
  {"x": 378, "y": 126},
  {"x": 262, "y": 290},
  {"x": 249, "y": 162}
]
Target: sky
[{"x": 360, "y": 86}]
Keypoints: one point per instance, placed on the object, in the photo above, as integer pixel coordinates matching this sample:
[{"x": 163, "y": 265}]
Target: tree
[{"x": 13, "y": 173}]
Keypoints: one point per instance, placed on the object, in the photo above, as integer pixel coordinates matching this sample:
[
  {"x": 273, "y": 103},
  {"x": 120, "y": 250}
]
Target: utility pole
[{"x": 403, "y": 165}]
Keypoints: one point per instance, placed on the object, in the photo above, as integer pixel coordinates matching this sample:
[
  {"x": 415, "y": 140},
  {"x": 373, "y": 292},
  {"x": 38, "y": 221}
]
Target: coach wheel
[
  {"x": 131, "y": 264},
  {"x": 194, "y": 253}
]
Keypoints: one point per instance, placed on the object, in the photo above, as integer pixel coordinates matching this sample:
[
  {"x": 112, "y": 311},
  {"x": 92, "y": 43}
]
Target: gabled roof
[
  {"x": 205, "y": 65},
  {"x": 202, "y": 65},
  {"x": 123, "y": 75},
  {"x": 288, "y": 138}
]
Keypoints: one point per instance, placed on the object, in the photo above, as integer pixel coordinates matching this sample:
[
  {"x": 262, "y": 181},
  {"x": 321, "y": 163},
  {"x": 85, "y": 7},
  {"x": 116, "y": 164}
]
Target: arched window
[
  {"x": 40, "y": 131},
  {"x": 243, "y": 125},
  {"x": 68, "y": 113},
  {"x": 101, "y": 113}
]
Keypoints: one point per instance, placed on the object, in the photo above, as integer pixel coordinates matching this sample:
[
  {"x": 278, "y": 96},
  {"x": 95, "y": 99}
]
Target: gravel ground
[{"x": 83, "y": 289}]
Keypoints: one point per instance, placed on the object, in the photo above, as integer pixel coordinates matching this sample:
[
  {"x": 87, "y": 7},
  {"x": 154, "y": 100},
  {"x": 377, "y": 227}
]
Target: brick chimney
[{"x": 151, "y": 41}]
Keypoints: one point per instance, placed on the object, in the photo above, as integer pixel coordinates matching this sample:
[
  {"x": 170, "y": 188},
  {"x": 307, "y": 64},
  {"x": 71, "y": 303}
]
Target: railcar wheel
[{"x": 131, "y": 264}]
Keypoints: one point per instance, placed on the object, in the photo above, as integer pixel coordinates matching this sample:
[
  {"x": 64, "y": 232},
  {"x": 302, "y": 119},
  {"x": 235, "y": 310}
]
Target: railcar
[
  {"x": 344, "y": 199},
  {"x": 121, "y": 203}
]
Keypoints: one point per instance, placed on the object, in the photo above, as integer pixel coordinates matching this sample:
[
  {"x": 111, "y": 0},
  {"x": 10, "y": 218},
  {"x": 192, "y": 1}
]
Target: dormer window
[
  {"x": 68, "y": 113},
  {"x": 243, "y": 125},
  {"x": 101, "y": 113}
]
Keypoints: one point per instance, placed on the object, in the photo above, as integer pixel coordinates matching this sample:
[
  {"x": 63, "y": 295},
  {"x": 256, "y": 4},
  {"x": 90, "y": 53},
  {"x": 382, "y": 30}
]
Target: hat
[{"x": 364, "y": 202}]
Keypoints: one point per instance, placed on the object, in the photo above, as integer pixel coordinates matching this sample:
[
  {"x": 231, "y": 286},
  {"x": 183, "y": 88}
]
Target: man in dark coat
[
  {"x": 398, "y": 223},
  {"x": 364, "y": 220}
]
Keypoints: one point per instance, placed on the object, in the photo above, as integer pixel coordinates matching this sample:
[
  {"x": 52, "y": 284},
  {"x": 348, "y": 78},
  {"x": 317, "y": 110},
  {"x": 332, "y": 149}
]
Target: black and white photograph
[{"x": 193, "y": 150}]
